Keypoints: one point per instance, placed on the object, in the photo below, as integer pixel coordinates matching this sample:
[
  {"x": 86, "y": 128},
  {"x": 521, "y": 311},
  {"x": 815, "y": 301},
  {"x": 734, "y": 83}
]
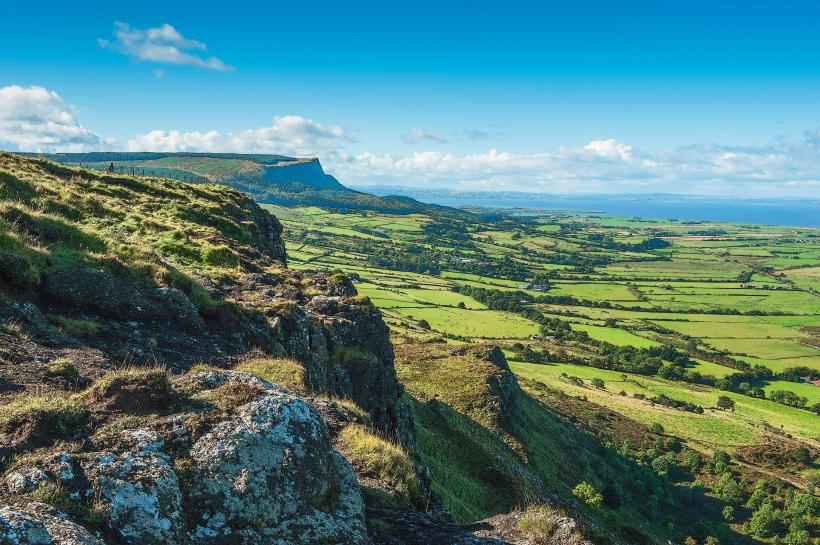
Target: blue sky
[{"x": 685, "y": 97}]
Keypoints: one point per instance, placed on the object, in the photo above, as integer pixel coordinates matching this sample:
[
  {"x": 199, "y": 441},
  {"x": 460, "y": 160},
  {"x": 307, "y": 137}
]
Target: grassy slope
[{"x": 154, "y": 231}]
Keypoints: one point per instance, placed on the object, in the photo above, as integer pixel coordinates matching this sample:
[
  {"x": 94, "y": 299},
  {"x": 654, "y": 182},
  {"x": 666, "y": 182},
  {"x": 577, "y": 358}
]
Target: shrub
[
  {"x": 588, "y": 495},
  {"x": 380, "y": 458}
]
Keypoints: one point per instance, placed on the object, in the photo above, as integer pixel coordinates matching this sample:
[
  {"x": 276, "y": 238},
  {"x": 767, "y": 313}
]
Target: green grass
[
  {"x": 287, "y": 372},
  {"x": 616, "y": 336},
  {"x": 713, "y": 430},
  {"x": 381, "y": 458},
  {"x": 489, "y": 324},
  {"x": 66, "y": 414}
]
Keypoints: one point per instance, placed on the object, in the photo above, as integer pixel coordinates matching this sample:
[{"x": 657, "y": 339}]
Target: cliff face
[{"x": 111, "y": 289}]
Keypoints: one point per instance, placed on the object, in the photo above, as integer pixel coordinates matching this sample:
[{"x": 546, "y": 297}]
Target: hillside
[
  {"x": 274, "y": 179},
  {"x": 165, "y": 378}
]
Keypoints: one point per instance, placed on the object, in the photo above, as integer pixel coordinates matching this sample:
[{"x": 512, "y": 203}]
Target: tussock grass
[
  {"x": 284, "y": 371},
  {"x": 66, "y": 413},
  {"x": 538, "y": 522},
  {"x": 63, "y": 367},
  {"x": 380, "y": 458},
  {"x": 75, "y": 327}
]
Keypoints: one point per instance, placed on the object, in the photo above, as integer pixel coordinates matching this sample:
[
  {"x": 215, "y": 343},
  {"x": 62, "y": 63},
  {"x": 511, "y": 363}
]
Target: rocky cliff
[{"x": 166, "y": 379}]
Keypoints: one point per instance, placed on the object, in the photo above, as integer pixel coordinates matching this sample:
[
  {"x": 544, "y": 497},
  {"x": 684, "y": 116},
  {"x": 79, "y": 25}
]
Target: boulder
[
  {"x": 269, "y": 475},
  {"x": 140, "y": 490},
  {"x": 40, "y": 524}
]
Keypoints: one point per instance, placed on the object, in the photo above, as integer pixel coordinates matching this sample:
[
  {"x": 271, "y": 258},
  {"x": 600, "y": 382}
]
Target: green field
[{"x": 721, "y": 303}]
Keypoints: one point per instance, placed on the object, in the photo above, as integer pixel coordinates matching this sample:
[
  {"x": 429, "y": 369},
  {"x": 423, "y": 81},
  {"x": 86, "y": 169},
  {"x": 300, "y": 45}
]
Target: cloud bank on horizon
[{"x": 38, "y": 120}]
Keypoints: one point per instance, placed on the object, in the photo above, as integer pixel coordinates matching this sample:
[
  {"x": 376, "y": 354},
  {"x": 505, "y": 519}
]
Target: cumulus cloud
[
  {"x": 163, "y": 44},
  {"x": 38, "y": 120},
  {"x": 288, "y": 135},
  {"x": 415, "y": 135},
  {"x": 786, "y": 167}
]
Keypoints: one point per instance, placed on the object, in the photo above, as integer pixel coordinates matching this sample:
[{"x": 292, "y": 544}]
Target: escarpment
[{"x": 166, "y": 379}]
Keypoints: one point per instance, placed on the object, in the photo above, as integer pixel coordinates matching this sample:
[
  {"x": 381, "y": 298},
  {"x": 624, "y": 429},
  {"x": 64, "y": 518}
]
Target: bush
[
  {"x": 588, "y": 495},
  {"x": 380, "y": 458}
]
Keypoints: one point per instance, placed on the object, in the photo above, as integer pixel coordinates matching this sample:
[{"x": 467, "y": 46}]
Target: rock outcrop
[{"x": 259, "y": 470}]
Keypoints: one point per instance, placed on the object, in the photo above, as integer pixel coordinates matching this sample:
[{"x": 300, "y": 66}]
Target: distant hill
[{"x": 276, "y": 179}]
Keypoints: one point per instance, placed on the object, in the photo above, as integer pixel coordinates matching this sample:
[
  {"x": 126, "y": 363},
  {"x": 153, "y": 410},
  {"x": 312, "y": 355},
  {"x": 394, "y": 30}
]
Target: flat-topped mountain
[{"x": 274, "y": 179}]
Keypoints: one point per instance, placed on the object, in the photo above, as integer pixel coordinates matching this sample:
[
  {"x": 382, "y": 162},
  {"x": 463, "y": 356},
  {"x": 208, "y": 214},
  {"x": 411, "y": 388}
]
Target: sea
[{"x": 786, "y": 212}]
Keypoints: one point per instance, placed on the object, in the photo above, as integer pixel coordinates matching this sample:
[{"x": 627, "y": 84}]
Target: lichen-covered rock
[
  {"x": 19, "y": 482},
  {"x": 140, "y": 490},
  {"x": 40, "y": 524},
  {"x": 268, "y": 475}
]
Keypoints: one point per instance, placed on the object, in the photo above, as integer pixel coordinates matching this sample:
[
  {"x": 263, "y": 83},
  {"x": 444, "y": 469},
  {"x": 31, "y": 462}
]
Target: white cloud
[
  {"x": 414, "y": 135},
  {"x": 163, "y": 44},
  {"x": 36, "y": 119},
  {"x": 610, "y": 149},
  {"x": 287, "y": 135},
  {"x": 787, "y": 167}
]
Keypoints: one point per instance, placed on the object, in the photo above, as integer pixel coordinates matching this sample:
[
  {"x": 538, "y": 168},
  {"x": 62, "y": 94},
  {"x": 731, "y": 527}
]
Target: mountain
[{"x": 273, "y": 179}]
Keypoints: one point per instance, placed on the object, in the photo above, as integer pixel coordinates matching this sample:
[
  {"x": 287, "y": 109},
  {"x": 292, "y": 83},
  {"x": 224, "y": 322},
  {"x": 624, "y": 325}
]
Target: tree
[
  {"x": 729, "y": 489},
  {"x": 720, "y": 462},
  {"x": 424, "y": 324},
  {"x": 764, "y": 521},
  {"x": 588, "y": 495},
  {"x": 598, "y": 383},
  {"x": 692, "y": 460},
  {"x": 726, "y": 403}
]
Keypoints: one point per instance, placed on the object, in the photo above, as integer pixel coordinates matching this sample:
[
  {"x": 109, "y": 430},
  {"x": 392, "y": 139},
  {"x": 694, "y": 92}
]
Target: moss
[
  {"x": 75, "y": 327},
  {"x": 284, "y": 371},
  {"x": 380, "y": 458}
]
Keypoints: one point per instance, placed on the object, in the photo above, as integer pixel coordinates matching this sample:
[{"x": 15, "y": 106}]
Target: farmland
[{"x": 734, "y": 300}]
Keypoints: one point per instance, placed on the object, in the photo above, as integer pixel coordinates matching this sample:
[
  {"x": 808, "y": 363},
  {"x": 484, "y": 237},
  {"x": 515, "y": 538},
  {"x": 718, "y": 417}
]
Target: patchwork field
[{"x": 741, "y": 309}]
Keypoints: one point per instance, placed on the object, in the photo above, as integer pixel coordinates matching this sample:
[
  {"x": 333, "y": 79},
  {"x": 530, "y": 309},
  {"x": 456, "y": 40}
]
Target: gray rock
[
  {"x": 40, "y": 524},
  {"x": 269, "y": 475},
  {"x": 139, "y": 489},
  {"x": 21, "y": 483}
]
